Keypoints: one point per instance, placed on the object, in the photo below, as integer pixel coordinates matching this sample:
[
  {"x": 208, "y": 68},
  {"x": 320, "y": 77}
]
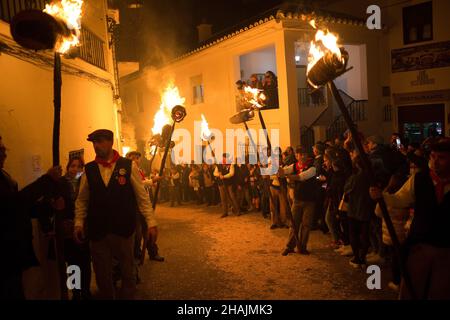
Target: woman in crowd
[
  {"x": 360, "y": 210},
  {"x": 74, "y": 253},
  {"x": 254, "y": 178}
]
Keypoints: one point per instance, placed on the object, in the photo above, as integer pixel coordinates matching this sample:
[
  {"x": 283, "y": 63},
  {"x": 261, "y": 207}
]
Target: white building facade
[{"x": 375, "y": 89}]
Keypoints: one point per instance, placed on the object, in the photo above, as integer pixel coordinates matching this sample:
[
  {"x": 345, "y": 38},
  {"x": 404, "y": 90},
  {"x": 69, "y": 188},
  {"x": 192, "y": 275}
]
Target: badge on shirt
[
  {"x": 122, "y": 172},
  {"x": 122, "y": 180}
]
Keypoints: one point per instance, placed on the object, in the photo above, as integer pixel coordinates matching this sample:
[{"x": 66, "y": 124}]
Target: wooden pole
[
  {"x": 57, "y": 215},
  {"x": 163, "y": 163}
]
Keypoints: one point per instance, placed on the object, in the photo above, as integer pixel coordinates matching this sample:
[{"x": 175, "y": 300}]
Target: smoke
[{"x": 168, "y": 31}]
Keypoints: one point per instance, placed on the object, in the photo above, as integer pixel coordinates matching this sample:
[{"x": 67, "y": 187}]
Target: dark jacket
[
  {"x": 360, "y": 205},
  {"x": 241, "y": 173},
  {"x": 16, "y": 243},
  {"x": 112, "y": 209},
  {"x": 431, "y": 219},
  {"x": 306, "y": 190},
  {"x": 387, "y": 162}
]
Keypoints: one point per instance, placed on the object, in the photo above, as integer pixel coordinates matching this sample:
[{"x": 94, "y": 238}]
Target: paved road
[{"x": 239, "y": 258}]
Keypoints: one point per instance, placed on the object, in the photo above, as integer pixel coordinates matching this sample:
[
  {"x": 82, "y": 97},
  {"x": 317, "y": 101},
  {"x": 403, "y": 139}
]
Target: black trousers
[
  {"x": 359, "y": 238},
  {"x": 344, "y": 228},
  {"x": 79, "y": 255},
  {"x": 208, "y": 194},
  {"x": 11, "y": 287},
  {"x": 395, "y": 265}
]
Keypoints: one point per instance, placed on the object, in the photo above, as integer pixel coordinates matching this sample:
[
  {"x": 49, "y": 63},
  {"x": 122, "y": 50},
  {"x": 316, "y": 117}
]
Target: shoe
[
  {"x": 334, "y": 245},
  {"x": 274, "y": 226},
  {"x": 346, "y": 251},
  {"x": 339, "y": 249},
  {"x": 287, "y": 251},
  {"x": 393, "y": 286},
  {"x": 224, "y": 215},
  {"x": 356, "y": 264},
  {"x": 304, "y": 252},
  {"x": 284, "y": 226},
  {"x": 157, "y": 258},
  {"x": 375, "y": 259}
]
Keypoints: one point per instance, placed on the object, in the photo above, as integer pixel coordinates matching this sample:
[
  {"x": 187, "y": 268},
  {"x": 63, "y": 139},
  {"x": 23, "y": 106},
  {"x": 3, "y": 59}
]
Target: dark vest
[
  {"x": 224, "y": 170},
  {"x": 431, "y": 221},
  {"x": 112, "y": 208},
  {"x": 306, "y": 190}
]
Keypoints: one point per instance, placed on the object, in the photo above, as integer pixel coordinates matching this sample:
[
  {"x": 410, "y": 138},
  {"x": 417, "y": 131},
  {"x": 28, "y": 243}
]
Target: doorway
[{"x": 416, "y": 123}]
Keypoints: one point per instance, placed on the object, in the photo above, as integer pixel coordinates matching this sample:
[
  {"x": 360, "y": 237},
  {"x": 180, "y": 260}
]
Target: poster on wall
[{"x": 435, "y": 55}]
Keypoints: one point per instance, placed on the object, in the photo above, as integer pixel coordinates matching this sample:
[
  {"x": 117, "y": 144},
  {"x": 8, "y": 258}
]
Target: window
[
  {"x": 197, "y": 89},
  {"x": 418, "y": 23}
]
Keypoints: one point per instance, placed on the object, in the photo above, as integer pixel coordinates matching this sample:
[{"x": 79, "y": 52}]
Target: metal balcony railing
[
  {"x": 308, "y": 99},
  {"x": 92, "y": 49},
  {"x": 9, "y": 8}
]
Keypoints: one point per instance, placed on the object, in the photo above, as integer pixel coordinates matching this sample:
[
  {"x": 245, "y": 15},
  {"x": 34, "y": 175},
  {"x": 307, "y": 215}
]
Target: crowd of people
[{"x": 328, "y": 188}]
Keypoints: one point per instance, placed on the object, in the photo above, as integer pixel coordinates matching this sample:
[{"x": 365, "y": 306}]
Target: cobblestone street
[{"x": 239, "y": 258}]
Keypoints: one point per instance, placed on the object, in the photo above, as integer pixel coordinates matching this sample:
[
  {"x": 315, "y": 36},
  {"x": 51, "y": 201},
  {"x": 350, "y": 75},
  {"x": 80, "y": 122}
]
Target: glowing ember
[
  {"x": 68, "y": 11},
  {"x": 254, "y": 96},
  {"x": 170, "y": 98},
  {"x": 325, "y": 43},
  {"x": 206, "y": 133}
]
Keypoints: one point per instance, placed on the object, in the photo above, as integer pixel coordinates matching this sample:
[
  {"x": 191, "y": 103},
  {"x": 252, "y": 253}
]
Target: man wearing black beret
[{"x": 111, "y": 193}]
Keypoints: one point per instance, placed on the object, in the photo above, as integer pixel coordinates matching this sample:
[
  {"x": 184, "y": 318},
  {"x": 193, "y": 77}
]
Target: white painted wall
[
  {"x": 258, "y": 61},
  {"x": 26, "y": 105},
  {"x": 354, "y": 82},
  {"x": 220, "y": 67}
]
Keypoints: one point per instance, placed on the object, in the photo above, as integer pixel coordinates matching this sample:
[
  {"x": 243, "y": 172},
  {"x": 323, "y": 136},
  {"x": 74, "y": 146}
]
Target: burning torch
[
  {"x": 56, "y": 28},
  {"x": 178, "y": 114},
  {"x": 327, "y": 61}
]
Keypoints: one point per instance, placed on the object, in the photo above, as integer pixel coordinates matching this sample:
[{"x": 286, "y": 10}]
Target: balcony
[{"x": 92, "y": 49}]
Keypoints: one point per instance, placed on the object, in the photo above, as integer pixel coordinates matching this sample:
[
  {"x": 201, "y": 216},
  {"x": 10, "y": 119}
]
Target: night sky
[{"x": 163, "y": 30}]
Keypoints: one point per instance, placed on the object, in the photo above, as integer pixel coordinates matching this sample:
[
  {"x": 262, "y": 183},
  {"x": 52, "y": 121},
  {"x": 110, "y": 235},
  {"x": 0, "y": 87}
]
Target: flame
[
  {"x": 324, "y": 42},
  {"x": 206, "y": 133},
  {"x": 125, "y": 150},
  {"x": 170, "y": 98},
  {"x": 153, "y": 149},
  {"x": 254, "y": 96},
  {"x": 68, "y": 11}
]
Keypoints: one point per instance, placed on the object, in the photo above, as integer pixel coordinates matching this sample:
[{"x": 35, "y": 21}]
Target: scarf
[
  {"x": 109, "y": 164},
  {"x": 301, "y": 166}
]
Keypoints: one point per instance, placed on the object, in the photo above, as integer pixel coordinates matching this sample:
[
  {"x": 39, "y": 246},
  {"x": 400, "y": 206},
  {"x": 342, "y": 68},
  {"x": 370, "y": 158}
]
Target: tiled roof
[{"x": 284, "y": 12}]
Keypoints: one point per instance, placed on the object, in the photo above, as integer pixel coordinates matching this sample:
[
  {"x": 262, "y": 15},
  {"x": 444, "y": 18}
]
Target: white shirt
[
  {"x": 142, "y": 199},
  {"x": 405, "y": 197},
  {"x": 304, "y": 175},
  {"x": 228, "y": 175}
]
